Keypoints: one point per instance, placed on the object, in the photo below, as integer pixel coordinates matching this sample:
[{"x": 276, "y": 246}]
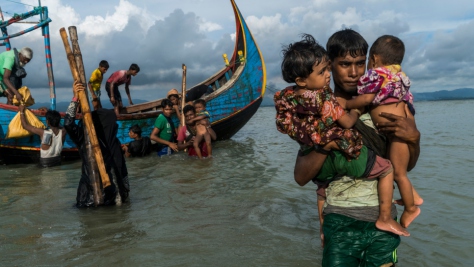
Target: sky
[{"x": 161, "y": 35}]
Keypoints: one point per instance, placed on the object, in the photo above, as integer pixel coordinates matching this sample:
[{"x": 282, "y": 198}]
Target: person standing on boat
[
  {"x": 115, "y": 80},
  {"x": 95, "y": 81},
  {"x": 106, "y": 127},
  {"x": 52, "y": 139},
  {"x": 187, "y": 133},
  {"x": 163, "y": 133},
  {"x": 348, "y": 214},
  {"x": 11, "y": 65}
]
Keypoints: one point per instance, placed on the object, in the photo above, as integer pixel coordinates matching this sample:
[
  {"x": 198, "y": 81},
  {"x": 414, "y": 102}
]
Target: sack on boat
[
  {"x": 15, "y": 130},
  {"x": 27, "y": 98}
]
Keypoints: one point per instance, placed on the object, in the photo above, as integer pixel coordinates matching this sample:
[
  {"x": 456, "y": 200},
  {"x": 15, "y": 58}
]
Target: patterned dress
[
  {"x": 310, "y": 119},
  {"x": 386, "y": 82}
]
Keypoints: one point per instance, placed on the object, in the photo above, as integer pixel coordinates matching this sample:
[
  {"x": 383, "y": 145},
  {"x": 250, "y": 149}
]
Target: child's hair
[
  {"x": 300, "y": 57},
  {"x": 166, "y": 103},
  {"x": 134, "y": 67},
  {"x": 53, "y": 117},
  {"x": 346, "y": 41},
  {"x": 188, "y": 108},
  {"x": 200, "y": 101},
  {"x": 104, "y": 64},
  {"x": 136, "y": 129},
  {"x": 390, "y": 49}
]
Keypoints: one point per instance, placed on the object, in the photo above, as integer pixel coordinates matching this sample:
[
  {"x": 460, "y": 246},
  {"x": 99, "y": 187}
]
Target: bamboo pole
[
  {"x": 183, "y": 95},
  {"x": 86, "y": 113},
  {"x": 94, "y": 175},
  {"x": 76, "y": 51}
]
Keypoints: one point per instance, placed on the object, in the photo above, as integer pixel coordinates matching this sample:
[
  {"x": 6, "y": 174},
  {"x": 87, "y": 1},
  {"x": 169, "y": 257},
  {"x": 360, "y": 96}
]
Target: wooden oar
[
  {"x": 183, "y": 95},
  {"x": 86, "y": 113},
  {"x": 94, "y": 175}
]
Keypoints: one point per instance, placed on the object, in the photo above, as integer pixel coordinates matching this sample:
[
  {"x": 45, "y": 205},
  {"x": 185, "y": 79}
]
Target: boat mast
[
  {"x": 6, "y": 42},
  {"x": 49, "y": 61}
]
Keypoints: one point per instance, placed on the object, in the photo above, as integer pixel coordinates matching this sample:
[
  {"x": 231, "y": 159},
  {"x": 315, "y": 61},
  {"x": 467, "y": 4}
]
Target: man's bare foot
[
  {"x": 392, "y": 226},
  {"x": 418, "y": 202},
  {"x": 409, "y": 216}
]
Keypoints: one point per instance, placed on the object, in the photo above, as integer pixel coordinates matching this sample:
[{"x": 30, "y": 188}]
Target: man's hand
[
  {"x": 19, "y": 97},
  {"x": 174, "y": 146},
  {"x": 112, "y": 100},
  {"x": 77, "y": 87},
  {"x": 190, "y": 142},
  {"x": 401, "y": 127}
]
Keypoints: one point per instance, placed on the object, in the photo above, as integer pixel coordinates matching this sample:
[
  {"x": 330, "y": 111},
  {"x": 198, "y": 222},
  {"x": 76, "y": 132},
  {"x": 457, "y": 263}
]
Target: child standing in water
[
  {"x": 385, "y": 88},
  {"x": 309, "y": 113},
  {"x": 202, "y": 124}
]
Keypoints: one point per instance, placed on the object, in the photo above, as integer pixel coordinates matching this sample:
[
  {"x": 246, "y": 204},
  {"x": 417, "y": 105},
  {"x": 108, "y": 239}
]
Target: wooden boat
[{"x": 233, "y": 95}]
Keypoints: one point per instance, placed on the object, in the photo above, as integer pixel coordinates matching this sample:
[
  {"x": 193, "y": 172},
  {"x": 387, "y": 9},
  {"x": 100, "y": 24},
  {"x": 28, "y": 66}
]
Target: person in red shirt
[
  {"x": 187, "y": 133},
  {"x": 115, "y": 80}
]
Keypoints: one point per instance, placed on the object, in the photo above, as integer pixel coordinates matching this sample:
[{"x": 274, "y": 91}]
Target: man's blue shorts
[{"x": 165, "y": 151}]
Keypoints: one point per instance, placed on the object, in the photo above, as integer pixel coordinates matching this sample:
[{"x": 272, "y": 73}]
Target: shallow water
[{"x": 241, "y": 208}]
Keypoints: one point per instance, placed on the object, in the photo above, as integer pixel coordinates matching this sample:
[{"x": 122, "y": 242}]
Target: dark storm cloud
[{"x": 160, "y": 53}]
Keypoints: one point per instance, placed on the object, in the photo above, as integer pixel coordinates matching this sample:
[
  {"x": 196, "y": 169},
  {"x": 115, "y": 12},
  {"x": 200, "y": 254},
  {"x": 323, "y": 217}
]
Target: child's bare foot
[
  {"x": 409, "y": 216},
  {"x": 392, "y": 226},
  {"x": 418, "y": 202}
]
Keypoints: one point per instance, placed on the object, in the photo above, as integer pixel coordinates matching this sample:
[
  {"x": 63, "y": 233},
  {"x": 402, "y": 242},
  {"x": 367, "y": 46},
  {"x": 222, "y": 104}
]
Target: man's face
[
  {"x": 133, "y": 72},
  {"x": 167, "y": 111},
  {"x": 103, "y": 70},
  {"x": 189, "y": 115},
  {"x": 132, "y": 134},
  {"x": 23, "y": 60},
  {"x": 346, "y": 72}
]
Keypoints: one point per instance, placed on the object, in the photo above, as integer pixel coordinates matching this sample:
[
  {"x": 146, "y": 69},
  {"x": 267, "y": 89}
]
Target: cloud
[
  {"x": 160, "y": 36},
  {"x": 125, "y": 11}
]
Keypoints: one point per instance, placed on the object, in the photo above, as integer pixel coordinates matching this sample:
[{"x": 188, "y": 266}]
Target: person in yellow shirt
[{"x": 94, "y": 83}]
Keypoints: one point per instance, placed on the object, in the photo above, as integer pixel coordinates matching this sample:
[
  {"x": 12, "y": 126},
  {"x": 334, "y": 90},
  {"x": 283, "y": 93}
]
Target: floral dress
[
  {"x": 386, "y": 82},
  {"x": 310, "y": 119}
]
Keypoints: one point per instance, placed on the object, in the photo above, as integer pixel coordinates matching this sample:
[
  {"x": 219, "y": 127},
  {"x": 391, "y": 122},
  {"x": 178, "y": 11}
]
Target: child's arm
[
  {"x": 349, "y": 119},
  {"x": 197, "y": 118},
  {"x": 360, "y": 101},
  {"x": 127, "y": 90}
]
